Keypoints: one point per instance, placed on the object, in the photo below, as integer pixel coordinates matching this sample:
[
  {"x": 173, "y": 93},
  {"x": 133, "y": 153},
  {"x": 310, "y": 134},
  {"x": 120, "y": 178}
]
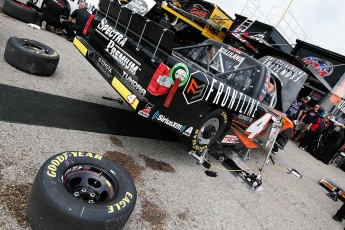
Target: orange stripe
[{"x": 247, "y": 142}]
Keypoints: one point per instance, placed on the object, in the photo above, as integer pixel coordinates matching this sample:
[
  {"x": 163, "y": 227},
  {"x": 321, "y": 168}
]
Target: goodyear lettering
[
  {"x": 121, "y": 204},
  {"x": 195, "y": 145},
  {"x": 52, "y": 167}
]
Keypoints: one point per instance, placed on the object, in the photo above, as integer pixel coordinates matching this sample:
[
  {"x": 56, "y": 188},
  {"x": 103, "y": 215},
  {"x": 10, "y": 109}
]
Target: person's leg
[{"x": 68, "y": 26}]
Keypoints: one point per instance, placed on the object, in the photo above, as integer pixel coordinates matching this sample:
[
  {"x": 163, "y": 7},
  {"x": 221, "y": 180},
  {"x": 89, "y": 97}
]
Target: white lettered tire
[{"x": 80, "y": 190}]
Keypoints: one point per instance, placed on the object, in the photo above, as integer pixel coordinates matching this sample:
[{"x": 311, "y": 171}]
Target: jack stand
[
  {"x": 201, "y": 156},
  {"x": 334, "y": 195},
  {"x": 245, "y": 154}
]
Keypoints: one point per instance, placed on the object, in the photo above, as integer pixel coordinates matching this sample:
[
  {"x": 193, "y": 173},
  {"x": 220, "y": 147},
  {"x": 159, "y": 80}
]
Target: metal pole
[{"x": 287, "y": 8}]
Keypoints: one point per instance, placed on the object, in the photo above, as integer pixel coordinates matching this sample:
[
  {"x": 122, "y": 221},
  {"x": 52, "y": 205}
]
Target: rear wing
[{"x": 137, "y": 27}]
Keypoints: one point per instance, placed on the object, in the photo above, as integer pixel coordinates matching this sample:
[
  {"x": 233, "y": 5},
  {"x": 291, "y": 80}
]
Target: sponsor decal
[
  {"x": 119, "y": 205},
  {"x": 138, "y": 6},
  {"x": 116, "y": 41},
  {"x": 104, "y": 67},
  {"x": 341, "y": 106},
  {"x": 179, "y": 72},
  {"x": 284, "y": 69},
  {"x": 230, "y": 139},
  {"x": 135, "y": 84},
  {"x": 188, "y": 132},
  {"x": 245, "y": 118},
  {"x": 163, "y": 119},
  {"x": 199, "y": 10},
  {"x": 220, "y": 94},
  {"x": 322, "y": 66},
  {"x": 195, "y": 89},
  {"x": 232, "y": 55},
  {"x": 146, "y": 112}
]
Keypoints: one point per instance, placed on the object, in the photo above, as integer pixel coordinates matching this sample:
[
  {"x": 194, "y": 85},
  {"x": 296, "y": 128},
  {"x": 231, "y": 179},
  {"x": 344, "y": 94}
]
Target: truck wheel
[
  {"x": 31, "y": 56},
  {"x": 209, "y": 130},
  {"x": 19, "y": 11},
  {"x": 80, "y": 190}
]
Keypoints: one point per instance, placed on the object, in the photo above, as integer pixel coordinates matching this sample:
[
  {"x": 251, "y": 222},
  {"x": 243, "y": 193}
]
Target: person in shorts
[{"x": 306, "y": 119}]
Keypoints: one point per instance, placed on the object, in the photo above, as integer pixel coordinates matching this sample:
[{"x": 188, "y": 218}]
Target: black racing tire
[
  {"x": 19, "y": 11},
  {"x": 31, "y": 56},
  {"x": 80, "y": 190},
  {"x": 209, "y": 130}
]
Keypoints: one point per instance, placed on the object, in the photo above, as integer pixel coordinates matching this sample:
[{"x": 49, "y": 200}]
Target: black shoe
[{"x": 336, "y": 218}]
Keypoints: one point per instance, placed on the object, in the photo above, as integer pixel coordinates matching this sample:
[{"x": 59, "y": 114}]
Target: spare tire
[
  {"x": 80, "y": 190},
  {"x": 19, "y": 11},
  {"x": 31, "y": 56}
]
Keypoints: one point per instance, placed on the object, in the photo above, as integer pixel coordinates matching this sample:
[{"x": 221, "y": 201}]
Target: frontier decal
[{"x": 198, "y": 88}]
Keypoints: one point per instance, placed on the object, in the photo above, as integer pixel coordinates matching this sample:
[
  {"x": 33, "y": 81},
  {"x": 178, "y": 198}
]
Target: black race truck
[{"x": 210, "y": 93}]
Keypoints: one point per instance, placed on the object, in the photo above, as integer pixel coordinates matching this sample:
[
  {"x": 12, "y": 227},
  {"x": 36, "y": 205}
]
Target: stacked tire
[{"x": 19, "y": 11}]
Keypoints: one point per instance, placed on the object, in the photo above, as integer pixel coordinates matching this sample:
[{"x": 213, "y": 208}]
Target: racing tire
[
  {"x": 31, "y": 56},
  {"x": 209, "y": 130},
  {"x": 19, "y": 11},
  {"x": 80, "y": 190}
]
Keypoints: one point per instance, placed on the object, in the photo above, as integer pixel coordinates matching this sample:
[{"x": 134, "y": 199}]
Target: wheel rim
[
  {"x": 208, "y": 131},
  {"x": 30, "y": 45},
  {"x": 90, "y": 184}
]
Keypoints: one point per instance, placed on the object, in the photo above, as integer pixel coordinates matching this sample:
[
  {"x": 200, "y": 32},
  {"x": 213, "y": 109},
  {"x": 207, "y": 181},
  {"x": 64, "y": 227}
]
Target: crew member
[
  {"x": 314, "y": 130},
  {"x": 50, "y": 19},
  {"x": 81, "y": 17},
  {"x": 307, "y": 118}
]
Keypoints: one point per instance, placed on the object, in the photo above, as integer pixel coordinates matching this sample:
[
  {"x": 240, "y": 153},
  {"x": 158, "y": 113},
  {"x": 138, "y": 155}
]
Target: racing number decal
[
  {"x": 131, "y": 98},
  {"x": 259, "y": 125}
]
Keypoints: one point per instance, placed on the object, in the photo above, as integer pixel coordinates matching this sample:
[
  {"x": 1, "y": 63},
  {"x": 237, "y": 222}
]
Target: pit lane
[{"x": 174, "y": 192}]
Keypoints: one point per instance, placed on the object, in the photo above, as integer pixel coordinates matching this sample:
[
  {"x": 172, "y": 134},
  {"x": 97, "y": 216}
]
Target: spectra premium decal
[
  {"x": 165, "y": 120},
  {"x": 116, "y": 41},
  {"x": 322, "y": 66},
  {"x": 220, "y": 94}
]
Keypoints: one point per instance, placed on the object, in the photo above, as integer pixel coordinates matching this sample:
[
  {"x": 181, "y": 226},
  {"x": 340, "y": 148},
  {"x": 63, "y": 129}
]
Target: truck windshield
[{"x": 220, "y": 58}]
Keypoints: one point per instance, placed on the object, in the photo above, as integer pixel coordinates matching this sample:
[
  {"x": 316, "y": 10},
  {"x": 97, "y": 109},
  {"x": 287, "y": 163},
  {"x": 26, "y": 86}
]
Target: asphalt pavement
[{"x": 182, "y": 197}]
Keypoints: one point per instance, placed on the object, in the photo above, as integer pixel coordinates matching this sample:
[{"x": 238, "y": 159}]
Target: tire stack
[
  {"x": 19, "y": 11},
  {"x": 329, "y": 144}
]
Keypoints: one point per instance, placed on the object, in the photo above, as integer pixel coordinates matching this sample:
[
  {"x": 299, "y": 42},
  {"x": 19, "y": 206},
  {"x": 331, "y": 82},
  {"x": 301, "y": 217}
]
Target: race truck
[{"x": 210, "y": 93}]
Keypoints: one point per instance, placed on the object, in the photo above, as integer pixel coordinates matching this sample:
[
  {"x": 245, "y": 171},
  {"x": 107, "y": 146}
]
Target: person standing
[
  {"x": 306, "y": 119},
  {"x": 81, "y": 16},
  {"x": 314, "y": 130},
  {"x": 53, "y": 11}
]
